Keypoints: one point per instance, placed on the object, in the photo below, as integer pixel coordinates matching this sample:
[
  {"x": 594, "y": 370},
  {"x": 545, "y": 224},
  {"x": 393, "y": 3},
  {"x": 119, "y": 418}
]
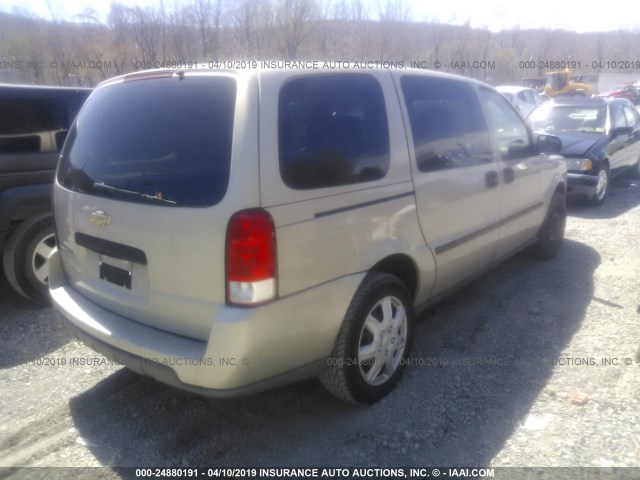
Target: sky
[{"x": 495, "y": 15}]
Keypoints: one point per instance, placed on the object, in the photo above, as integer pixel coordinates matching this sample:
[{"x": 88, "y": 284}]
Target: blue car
[{"x": 600, "y": 140}]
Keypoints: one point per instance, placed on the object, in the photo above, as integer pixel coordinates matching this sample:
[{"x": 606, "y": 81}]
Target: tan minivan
[{"x": 225, "y": 232}]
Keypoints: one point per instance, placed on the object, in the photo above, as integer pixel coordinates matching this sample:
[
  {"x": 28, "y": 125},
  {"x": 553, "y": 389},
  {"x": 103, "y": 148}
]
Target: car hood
[{"x": 576, "y": 144}]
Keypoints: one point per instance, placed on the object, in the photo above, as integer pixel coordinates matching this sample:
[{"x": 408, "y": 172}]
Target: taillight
[{"x": 251, "y": 258}]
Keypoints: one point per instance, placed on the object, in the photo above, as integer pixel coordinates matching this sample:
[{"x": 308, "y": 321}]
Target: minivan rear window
[{"x": 164, "y": 141}]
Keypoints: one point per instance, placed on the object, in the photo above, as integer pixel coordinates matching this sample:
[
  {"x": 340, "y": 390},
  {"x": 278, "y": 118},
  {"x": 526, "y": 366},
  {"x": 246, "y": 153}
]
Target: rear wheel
[
  {"x": 551, "y": 232},
  {"x": 26, "y": 257},
  {"x": 373, "y": 343}
]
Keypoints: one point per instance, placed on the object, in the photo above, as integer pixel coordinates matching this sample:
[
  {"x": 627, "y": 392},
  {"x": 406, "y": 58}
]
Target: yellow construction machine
[{"x": 560, "y": 84}]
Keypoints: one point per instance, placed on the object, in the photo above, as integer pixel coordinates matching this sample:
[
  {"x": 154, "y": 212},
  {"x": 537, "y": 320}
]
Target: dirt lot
[{"x": 495, "y": 368}]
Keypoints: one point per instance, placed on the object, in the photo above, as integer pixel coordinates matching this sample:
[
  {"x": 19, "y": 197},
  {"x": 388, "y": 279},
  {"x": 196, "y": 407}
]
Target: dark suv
[{"x": 33, "y": 127}]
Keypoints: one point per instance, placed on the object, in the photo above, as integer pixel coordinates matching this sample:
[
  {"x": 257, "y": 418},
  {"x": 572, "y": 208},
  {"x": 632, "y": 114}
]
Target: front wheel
[
  {"x": 373, "y": 343},
  {"x": 602, "y": 187}
]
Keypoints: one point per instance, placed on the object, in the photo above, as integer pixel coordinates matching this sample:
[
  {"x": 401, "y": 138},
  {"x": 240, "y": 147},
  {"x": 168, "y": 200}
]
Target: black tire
[
  {"x": 551, "y": 232},
  {"x": 601, "y": 193},
  {"x": 23, "y": 259},
  {"x": 350, "y": 373}
]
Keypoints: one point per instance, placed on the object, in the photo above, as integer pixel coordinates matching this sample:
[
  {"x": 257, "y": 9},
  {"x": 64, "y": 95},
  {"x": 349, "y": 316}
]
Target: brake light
[{"x": 251, "y": 258}]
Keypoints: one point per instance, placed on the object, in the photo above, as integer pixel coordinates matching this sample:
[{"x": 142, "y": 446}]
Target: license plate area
[{"x": 116, "y": 271}]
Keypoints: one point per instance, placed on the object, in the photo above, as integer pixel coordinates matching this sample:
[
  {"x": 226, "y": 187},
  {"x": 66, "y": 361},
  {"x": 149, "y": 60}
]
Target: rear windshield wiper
[{"x": 130, "y": 193}]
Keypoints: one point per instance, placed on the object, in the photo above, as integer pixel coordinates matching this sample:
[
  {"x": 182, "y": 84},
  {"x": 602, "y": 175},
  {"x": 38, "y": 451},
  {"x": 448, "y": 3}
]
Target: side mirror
[
  {"x": 617, "y": 132},
  {"x": 548, "y": 144}
]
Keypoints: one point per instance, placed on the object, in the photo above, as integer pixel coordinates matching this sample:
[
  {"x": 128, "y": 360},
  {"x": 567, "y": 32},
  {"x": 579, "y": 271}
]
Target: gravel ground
[{"x": 498, "y": 372}]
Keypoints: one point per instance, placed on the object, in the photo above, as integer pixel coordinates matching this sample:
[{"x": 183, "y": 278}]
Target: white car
[
  {"x": 228, "y": 231},
  {"x": 525, "y": 99}
]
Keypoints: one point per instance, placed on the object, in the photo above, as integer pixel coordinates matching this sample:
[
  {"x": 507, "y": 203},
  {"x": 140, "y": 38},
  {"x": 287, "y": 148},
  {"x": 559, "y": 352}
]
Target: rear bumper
[
  {"x": 248, "y": 350},
  {"x": 581, "y": 185}
]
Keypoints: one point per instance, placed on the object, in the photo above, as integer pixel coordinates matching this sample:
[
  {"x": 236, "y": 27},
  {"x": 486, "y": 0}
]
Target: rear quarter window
[
  {"x": 332, "y": 131},
  {"x": 165, "y": 141}
]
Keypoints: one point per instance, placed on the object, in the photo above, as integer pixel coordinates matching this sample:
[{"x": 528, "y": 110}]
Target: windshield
[
  {"x": 561, "y": 118},
  {"x": 165, "y": 141}
]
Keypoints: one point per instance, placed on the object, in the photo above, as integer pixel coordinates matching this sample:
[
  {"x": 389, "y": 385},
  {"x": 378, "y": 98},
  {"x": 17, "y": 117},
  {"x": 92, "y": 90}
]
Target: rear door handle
[
  {"x": 491, "y": 179},
  {"x": 508, "y": 174}
]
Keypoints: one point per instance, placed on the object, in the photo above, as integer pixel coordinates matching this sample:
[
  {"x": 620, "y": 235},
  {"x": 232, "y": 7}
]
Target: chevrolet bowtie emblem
[{"x": 100, "y": 218}]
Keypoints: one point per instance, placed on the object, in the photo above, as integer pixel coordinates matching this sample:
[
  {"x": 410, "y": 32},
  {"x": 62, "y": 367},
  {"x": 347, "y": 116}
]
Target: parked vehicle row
[
  {"x": 288, "y": 224},
  {"x": 560, "y": 84}
]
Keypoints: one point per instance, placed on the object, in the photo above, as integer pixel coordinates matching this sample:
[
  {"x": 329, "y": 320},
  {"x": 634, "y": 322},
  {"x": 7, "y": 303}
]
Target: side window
[
  {"x": 449, "y": 130},
  {"x": 617, "y": 117},
  {"x": 30, "y": 125},
  {"x": 631, "y": 116},
  {"x": 332, "y": 131},
  {"x": 510, "y": 132}
]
